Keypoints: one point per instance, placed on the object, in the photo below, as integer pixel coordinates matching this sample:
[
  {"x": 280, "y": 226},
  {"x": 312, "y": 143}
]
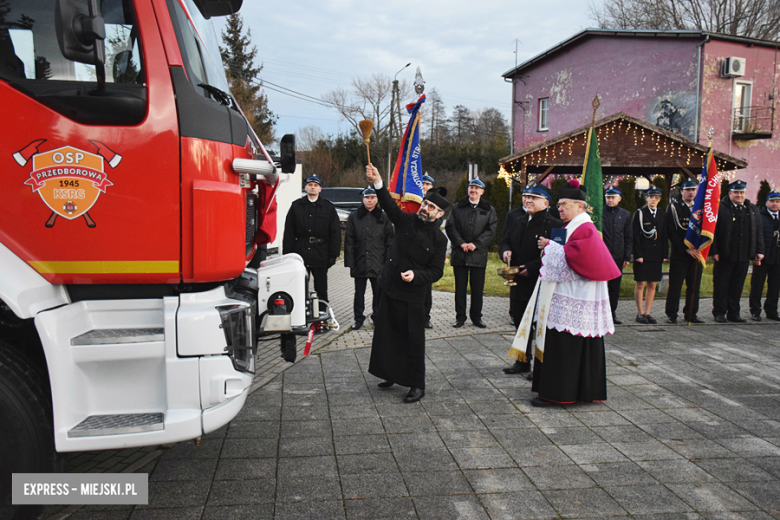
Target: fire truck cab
[{"x": 135, "y": 199}]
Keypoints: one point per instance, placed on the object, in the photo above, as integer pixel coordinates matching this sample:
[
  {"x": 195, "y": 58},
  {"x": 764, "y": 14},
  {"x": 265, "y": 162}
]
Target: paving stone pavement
[{"x": 691, "y": 429}]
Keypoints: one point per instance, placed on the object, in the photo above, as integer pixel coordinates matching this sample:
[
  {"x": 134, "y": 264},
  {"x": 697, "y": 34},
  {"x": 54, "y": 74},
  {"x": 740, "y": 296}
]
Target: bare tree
[
  {"x": 368, "y": 99},
  {"x": 490, "y": 124},
  {"x": 308, "y": 137},
  {"x": 749, "y": 18}
]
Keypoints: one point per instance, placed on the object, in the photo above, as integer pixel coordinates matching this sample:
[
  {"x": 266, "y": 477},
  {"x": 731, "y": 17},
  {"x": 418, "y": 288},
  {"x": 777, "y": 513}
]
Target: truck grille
[{"x": 251, "y": 221}]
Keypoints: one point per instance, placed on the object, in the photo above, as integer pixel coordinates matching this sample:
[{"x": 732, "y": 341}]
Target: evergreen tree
[
  {"x": 628, "y": 200},
  {"x": 238, "y": 57},
  {"x": 763, "y": 191}
]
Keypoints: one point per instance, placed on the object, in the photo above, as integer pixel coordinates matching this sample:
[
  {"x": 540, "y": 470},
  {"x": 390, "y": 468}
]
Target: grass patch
[{"x": 494, "y": 284}]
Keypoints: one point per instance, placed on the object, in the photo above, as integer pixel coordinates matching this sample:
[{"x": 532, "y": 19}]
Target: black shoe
[
  {"x": 615, "y": 320},
  {"x": 720, "y": 318},
  {"x": 479, "y": 323},
  {"x": 414, "y": 395},
  {"x": 357, "y": 325},
  {"x": 512, "y": 321},
  {"x": 671, "y": 319},
  {"x": 384, "y": 383},
  {"x": 518, "y": 368},
  {"x": 428, "y": 324},
  {"x": 695, "y": 319},
  {"x": 755, "y": 316},
  {"x": 529, "y": 376},
  {"x": 773, "y": 317},
  {"x": 641, "y": 318},
  {"x": 738, "y": 319},
  {"x": 458, "y": 324},
  {"x": 541, "y": 403},
  {"x": 650, "y": 319}
]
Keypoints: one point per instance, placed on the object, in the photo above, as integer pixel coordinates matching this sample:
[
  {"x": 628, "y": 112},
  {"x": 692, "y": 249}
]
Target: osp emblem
[{"x": 69, "y": 180}]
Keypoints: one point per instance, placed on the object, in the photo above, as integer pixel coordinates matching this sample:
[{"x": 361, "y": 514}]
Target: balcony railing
[{"x": 754, "y": 122}]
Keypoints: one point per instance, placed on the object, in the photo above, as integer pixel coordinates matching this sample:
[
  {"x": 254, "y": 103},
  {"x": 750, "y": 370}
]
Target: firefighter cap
[{"x": 314, "y": 178}]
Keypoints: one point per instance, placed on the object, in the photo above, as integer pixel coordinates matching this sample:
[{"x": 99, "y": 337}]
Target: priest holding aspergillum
[{"x": 572, "y": 313}]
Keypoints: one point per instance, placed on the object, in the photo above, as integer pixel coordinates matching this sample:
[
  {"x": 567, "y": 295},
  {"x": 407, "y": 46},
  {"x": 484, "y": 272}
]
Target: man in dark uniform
[
  {"x": 312, "y": 230},
  {"x": 427, "y": 185},
  {"x": 367, "y": 241},
  {"x": 470, "y": 227},
  {"x": 521, "y": 248},
  {"x": 684, "y": 265},
  {"x": 509, "y": 219},
  {"x": 616, "y": 231},
  {"x": 739, "y": 239},
  {"x": 769, "y": 268},
  {"x": 416, "y": 260}
]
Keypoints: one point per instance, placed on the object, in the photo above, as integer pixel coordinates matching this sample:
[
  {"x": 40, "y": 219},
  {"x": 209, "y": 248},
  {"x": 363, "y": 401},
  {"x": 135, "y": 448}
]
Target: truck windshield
[
  {"x": 200, "y": 46},
  {"x": 29, "y": 48}
]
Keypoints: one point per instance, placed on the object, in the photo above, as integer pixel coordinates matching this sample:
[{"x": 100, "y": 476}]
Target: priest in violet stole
[{"x": 572, "y": 312}]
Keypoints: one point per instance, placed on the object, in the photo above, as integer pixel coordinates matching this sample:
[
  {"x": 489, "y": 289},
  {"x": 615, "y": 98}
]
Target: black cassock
[{"x": 398, "y": 347}]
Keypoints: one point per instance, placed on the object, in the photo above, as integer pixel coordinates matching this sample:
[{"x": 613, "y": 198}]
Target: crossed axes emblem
[{"x": 23, "y": 156}]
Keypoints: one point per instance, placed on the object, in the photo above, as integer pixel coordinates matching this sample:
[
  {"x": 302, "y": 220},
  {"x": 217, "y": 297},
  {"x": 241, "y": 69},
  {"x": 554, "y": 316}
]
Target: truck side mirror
[
  {"x": 287, "y": 153},
  {"x": 80, "y": 31}
]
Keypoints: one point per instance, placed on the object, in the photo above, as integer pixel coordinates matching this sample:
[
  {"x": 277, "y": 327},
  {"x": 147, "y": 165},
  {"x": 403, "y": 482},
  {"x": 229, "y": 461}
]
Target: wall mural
[{"x": 675, "y": 113}]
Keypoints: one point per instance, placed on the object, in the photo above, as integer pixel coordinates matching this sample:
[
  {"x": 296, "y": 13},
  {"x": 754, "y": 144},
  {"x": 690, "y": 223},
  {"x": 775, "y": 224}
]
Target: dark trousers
[
  {"x": 320, "y": 275},
  {"x": 613, "y": 288},
  {"x": 760, "y": 274},
  {"x": 728, "y": 279},
  {"x": 477, "y": 284},
  {"x": 359, "y": 305},
  {"x": 428, "y": 302},
  {"x": 689, "y": 271}
]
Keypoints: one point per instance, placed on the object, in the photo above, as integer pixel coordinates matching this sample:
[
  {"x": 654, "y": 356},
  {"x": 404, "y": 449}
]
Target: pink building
[{"x": 681, "y": 81}]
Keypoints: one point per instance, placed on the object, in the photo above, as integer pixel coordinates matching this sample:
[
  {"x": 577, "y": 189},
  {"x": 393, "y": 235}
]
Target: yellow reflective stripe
[{"x": 142, "y": 266}]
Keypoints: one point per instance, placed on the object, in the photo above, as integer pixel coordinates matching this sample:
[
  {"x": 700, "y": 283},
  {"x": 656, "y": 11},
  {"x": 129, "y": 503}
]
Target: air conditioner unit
[{"x": 733, "y": 67}]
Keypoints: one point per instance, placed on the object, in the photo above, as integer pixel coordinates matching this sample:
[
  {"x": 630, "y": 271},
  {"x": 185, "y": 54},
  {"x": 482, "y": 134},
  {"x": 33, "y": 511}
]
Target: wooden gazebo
[{"x": 628, "y": 147}]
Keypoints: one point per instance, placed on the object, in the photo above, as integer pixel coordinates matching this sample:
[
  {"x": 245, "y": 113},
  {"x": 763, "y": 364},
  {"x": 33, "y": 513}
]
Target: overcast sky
[{"x": 462, "y": 48}]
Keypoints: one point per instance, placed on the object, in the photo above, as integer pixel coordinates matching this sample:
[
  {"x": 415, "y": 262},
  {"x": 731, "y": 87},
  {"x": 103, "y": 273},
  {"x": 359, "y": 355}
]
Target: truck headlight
[{"x": 238, "y": 324}]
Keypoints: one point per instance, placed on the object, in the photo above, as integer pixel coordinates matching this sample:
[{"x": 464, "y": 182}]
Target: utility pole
[{"x": 393, "y": 131}]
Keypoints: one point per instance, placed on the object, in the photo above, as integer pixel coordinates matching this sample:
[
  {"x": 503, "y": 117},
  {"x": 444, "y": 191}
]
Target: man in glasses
[
  {"x": 520, "y": 248},
  {"x": 416, "y": 260}
]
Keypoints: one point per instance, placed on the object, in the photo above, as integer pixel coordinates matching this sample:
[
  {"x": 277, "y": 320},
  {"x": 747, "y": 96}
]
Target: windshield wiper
[{"x": 219, "y": 95}]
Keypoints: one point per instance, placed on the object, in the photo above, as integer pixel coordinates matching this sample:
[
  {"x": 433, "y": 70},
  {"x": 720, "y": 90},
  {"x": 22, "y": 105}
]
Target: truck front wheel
[{"x": 26, "y": 432}]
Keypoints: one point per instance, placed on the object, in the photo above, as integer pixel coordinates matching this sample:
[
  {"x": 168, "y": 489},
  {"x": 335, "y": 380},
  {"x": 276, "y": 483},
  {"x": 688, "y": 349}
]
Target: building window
[
  {"x": 742, "y": 98},
  {"x": 544, "y": 103}
]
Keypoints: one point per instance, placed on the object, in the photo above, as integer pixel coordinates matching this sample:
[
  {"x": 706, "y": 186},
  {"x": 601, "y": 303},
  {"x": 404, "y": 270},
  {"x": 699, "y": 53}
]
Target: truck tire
[{"x": 26, "y": 431}]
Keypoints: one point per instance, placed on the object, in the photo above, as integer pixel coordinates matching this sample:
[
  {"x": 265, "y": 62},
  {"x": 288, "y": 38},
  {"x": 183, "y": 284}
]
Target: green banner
[{"x": 592, "y": 179}]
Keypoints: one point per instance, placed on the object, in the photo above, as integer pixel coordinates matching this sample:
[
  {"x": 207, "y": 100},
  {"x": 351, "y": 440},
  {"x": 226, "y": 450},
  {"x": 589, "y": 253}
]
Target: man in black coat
[
  {"x": 509, "y": 219},
  {"x": 520, "y": 247},
  {"x": 312, "y": 230},
  {"x": 367, "y": 242},
  {"x": 739, "y": 239},
  {"x": 769, "y": 268},
  {"x": 416, "y": 260},
  {"x": 684, "y": 265},
  {"x": 617, "y": 232},
  {"x": 470, "y": 227}
]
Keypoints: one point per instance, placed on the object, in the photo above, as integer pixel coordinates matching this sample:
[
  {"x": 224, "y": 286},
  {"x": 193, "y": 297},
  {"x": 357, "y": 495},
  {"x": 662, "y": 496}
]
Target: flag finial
[
  {"x": 710, "y": 135},
  {"x": 595, "y": 104}
]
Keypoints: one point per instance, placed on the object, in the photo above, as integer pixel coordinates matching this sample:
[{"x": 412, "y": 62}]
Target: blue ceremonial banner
[
  {"x": 704, "y": 215},
  {"x": 406, "y": 181}
]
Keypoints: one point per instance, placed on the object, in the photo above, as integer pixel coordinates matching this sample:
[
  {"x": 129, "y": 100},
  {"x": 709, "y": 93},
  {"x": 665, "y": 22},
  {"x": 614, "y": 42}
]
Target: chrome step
[
  {"x": 96, "y": 425},
  {"x": 103, "y": 336}
]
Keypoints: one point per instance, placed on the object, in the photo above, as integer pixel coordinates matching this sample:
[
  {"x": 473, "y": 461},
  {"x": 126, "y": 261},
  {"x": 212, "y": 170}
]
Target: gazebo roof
[{"x": 627, "y": 146}]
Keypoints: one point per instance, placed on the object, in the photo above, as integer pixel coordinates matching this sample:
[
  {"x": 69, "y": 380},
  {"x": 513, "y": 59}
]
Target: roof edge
[{"x": 642, "y": 33}]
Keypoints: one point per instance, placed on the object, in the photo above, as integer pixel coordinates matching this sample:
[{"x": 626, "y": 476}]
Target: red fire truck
[{"x": 134, "y": 199}]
